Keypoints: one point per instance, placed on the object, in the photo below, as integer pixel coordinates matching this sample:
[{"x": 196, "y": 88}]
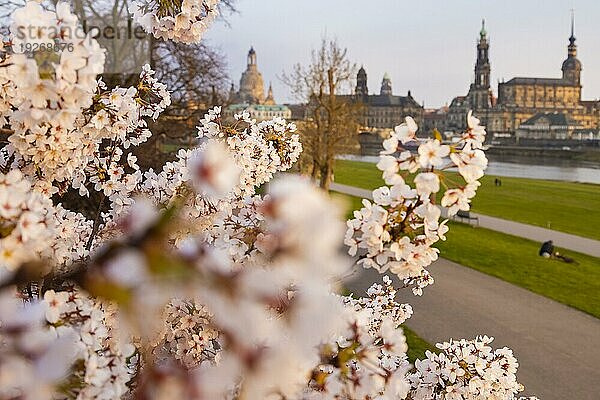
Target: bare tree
[
  {"x": 195, "y": 74},
  {"x": 333, "y": 115}
]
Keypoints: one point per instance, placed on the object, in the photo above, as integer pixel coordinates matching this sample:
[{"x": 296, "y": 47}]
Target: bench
[{"x": 463, "y": 216}]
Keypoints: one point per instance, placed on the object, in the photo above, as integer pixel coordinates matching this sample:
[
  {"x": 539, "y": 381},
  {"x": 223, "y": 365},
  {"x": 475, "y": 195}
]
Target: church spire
[
  {"x": 572, "y": 25},
  {"x": 483, "y": 32},
  {"x": 572, "y": 66},
  {"x": 270, "y": 100},
  {"x": 572, "y": 45},
  {"x": 232, "y": 93},
  {"x": 482, "y": 66}
]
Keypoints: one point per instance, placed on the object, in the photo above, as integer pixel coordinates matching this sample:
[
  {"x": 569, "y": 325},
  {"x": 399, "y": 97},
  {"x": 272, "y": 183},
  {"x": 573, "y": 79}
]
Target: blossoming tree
[{"x": 187, "y": 284}]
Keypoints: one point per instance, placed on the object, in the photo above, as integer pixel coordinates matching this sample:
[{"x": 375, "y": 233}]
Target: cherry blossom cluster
[
  {"x": 35, "y": 230},
  {"x": 205, "y": 177},
  {"x": 301, "y": 311},
  {"x": 7, "y": 93},
  {"x": 33, "y": 360},
  {"x": 26, "y": 222},
  {"x": 119, "y": 114},
  {"x": 50, "y": 90},
  {"x": 101, "y": 361},
  {"x": 258, "y": 151},
  {"x": 362, "y": 366},
  {"x": 184, "y": 21},
  {"x": 66, "y": 126},
  {"x": 71, "y": 234},
  {"x": 398, "y": 230},
  {"x": 261, "y": 149},
  {"x": 115, "y": 122},
  {"x": 188, "y": 335},
  {"x": 368, "y": 358},
  {"x": 466, "y": 369},
  {"x": 380, "y": 304}
]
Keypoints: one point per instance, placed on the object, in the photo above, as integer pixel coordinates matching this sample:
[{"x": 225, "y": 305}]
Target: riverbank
[
  {"x": 528, "y": 167},
  {"x": 562, "y": 206},
  {"x": 582, "y": 154}
]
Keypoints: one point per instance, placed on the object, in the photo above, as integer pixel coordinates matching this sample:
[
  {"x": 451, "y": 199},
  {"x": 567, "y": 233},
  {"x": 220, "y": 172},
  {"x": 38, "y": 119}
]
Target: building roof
[
  {"x": 553, "y": 119},
  {"x": 538, "y": 81},
  {"x": 298, "y": 110},
  {"x": 258, "y": 107},
  {"x": 386, "y": 100},
  {"x": 458, "y": 101}
]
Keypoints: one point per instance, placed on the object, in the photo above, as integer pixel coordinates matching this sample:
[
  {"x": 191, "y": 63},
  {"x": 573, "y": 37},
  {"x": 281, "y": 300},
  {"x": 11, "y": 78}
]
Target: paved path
[
  {"x": 558, "y": 347},
  {"x": 564, "y": 240}
]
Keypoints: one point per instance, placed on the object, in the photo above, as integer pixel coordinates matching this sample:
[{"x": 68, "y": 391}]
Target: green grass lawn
[
  {"x": 515, "y": 260},
  {"x": 417, "y": 346},
  {"x": 347, "y": 203},
  {"x": 562, "y": 206}
]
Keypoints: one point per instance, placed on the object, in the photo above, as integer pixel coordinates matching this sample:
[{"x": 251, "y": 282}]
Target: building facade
[
  {"x": 385, "y": 110},
  {"x": 251, "y": 96},
  {"x": 526, "y": 99}
]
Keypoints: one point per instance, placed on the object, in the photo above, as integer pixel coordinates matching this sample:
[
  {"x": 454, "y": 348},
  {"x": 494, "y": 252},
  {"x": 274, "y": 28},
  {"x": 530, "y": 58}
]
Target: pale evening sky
[{"x": 426, "y": 46}]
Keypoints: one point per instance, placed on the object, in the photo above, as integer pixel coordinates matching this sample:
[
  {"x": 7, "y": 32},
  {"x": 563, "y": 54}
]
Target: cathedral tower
[
  {"x": 362, "y": 88},
  {"x": 386, "y": 85},
  {"x": 482, "y": 66},
  {"x": 572, "y": 67},
  {"x": 480, "y": 92}
]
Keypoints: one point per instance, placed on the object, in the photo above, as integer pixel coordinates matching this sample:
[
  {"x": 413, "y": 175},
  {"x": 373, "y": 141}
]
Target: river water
[{"x": 531, "y": 167}]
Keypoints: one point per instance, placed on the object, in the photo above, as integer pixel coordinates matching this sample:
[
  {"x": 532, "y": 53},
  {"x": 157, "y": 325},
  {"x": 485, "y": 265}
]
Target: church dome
[{"x": 252, "y": 89}]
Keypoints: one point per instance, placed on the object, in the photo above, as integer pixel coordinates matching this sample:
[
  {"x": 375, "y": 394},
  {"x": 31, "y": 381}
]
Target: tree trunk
[
  {"x": 326, "y": 175},
  {"x": 314, "y": 171}
]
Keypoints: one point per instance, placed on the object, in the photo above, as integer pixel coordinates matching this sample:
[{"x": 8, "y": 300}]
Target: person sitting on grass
[{"x": 547, "y": 251}]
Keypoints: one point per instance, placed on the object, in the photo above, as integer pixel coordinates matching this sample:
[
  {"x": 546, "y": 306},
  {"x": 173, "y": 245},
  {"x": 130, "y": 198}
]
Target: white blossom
[
  {"x": 466, "y": 369},
  {"x": 185, "y": 22}
]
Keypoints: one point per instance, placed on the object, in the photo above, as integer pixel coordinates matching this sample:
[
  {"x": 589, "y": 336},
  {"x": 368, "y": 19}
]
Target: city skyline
[{"x": 436, "y": 56}]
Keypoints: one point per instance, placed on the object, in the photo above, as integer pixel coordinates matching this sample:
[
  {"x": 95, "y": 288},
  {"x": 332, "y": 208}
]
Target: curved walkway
[
  {"x": 558, "y": 347},
  {"x": 564, "y": 240}
]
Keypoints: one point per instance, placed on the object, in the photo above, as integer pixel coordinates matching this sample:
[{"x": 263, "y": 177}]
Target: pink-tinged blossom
[{"x": 213, "y": 171}]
